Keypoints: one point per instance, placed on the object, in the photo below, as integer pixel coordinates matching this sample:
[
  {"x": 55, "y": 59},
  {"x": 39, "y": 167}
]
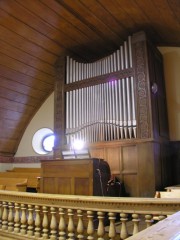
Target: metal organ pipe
[
  {"x": 67, "y": 116},
  {"x": 106, "y": 111}
]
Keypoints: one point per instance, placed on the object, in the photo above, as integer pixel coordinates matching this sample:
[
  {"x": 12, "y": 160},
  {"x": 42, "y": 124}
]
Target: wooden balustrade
[
  {"x": 166, "y": 229},
  {"x": 59, "y": 217}
]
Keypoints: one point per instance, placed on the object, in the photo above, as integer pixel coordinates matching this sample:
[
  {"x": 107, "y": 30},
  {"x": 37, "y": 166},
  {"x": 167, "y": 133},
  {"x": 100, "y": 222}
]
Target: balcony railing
[{"x": 53, "y": 216}]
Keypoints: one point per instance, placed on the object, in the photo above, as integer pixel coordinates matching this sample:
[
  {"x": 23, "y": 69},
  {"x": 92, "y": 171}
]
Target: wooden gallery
[{"x": 89, "y": 143}]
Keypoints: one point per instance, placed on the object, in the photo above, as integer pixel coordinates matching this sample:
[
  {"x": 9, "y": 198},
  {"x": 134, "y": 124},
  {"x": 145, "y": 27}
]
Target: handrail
[
  {"x": 166, "y": 229},
  {"x": 53, "y": 216}
]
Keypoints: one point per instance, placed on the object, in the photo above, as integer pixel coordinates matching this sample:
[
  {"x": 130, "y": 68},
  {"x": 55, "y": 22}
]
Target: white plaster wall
[
  {"x": 5, "y": 166},
  {"x": 171, "y": 57},
  {"x": 26, "y": 165},
  {"x": 44, "y": 118},
  {"x": 8, "y": 166}
]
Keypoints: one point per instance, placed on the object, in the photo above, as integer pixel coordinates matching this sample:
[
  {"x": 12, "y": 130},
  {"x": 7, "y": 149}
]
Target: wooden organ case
[{"x": 118, "y": 106}]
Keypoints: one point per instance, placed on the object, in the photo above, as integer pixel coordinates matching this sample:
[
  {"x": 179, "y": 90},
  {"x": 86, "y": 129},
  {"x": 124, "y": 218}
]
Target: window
[{"x": 43, "y": 141}]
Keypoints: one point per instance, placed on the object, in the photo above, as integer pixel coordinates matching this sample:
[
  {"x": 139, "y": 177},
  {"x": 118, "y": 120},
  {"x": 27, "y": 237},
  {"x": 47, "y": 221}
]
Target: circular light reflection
[
  {"x": 48, "y": 143},
  {"x": 78, "y": 144}
]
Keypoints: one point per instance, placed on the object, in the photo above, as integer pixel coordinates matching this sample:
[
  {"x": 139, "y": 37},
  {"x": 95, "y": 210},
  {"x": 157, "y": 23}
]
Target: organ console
[
  {"x": 75, "y": 176},
  {"x": 109, "y": 104}
]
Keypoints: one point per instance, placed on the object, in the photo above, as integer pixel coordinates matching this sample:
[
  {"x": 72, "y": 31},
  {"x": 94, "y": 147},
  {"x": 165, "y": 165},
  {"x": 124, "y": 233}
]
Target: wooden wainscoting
[{"x": 140, "y": 165}]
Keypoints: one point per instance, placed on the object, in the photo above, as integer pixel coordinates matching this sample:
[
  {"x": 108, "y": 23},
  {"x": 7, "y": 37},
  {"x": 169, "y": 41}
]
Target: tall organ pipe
[{"x": 105, "y": 111}]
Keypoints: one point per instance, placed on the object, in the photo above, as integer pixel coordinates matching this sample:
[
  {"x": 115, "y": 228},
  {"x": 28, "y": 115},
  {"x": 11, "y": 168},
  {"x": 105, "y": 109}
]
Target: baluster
[
  {"x": 136, "y": 221},
  {"x": 30, "y": 221},
  {"x": 17, "y": 218},
  {"x": 90, "y": 227},
  {"x": 1, "y": 211},
  {"x": 45, "y": 223},
  {"x": 10, "y": 218},
  {"x": 23, "y": 219},
  {"x": 80, "y": 227},
  {"x": 124, "y": 232},
  {"x": 37, "y": 229},
  {"x": 53, "y": 224},
  {"x": 5, "y": 216},
  {"x": 70, "y": 225},
  {"x": 149, "y": 220},
  {"x": 112, "y": 228},
  {"x": 62, "y": 225},
  {"x": 100, "y": 230}
]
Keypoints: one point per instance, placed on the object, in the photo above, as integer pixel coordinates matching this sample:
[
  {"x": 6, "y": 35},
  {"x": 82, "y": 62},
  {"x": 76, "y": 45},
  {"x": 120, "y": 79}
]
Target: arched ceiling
[{"x": 34, "y": 33}]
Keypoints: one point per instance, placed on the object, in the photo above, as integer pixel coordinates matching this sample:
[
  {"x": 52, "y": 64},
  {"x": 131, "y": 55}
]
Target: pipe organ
[
  {"x": 111, "y": 104},
  {"x": 105, "y": 111},
  {"x": 119, "y": 60}
]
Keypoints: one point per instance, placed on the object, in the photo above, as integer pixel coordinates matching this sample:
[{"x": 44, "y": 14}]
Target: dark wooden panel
[
  {"x": 147, "y": 7},
  {"x": 12, "y": 115},
  {"x": 115, "y": 8},
  {"x": 76, "y": 176},
  {"x": 16, "y": 96},
  {"x": 168, "y": 172},
  {"x": 98, "y": 152},
  {"x": 50, "y": 185},
  {"x": 66, "y": 172},
  {"x": 25, "y": 69},
  {"x": 8, "y": 146},
  {"x": 92, "y": 21},
  {"x": 129, "y": 162},
  {"x": 63, "y": 185},
  {"x": 49, "y": 26},
  {"x": 167, "y": 18},
  {"x": 9, "y": 124},
  {"x": 24, "y": 44},
  {"x": 113, "y": 157},
  {"x": 21, "y": 88},
  {"x": 96, "y": 42},
  {"x": 99, "y": 10},
  {"x": 82, "y": 186},
  {"x": 25, "y": 58},
  {"x": 10, "y": 74},
  {"x": 146, "y": 169},
  {"x": 158, "y": 99},
  {"x": 143, "y": 166},
  {"x": 47, "y": 31},
  {"x": 174, "y": 7},
  {"x": 175, "y": 161},
  {"x": 131, "y": 184},
  {"x": 19, "y": 107},
  {"x": 24, "y": 30}
]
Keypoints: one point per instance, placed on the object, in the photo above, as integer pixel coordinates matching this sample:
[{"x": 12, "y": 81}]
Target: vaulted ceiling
[{"x": 34, "y": 33}]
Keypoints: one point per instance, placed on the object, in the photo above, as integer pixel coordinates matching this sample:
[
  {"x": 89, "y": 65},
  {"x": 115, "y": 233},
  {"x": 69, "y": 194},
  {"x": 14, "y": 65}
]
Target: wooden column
[{"x": 59, "y": 111}]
